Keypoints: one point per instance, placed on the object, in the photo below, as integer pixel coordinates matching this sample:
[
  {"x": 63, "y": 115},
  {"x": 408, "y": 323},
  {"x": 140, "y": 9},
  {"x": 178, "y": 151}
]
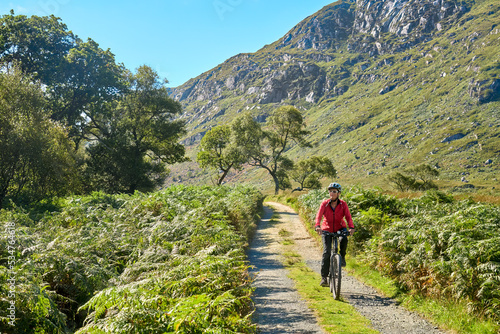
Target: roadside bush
[
  {"x": 360, "y": 199},
  {"x": 369, "y": 223}
]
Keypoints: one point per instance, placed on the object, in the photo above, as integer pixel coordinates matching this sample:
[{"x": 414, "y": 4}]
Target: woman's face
[{"x": 334, "y": 193}]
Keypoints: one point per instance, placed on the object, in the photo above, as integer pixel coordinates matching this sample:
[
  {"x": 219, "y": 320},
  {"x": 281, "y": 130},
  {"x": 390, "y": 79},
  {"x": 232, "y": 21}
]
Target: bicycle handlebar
[{"x": 340, "y": 233}]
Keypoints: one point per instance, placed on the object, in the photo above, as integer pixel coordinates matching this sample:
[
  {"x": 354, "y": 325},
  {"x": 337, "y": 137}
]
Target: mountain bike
[{"x": 335, "y": 276}]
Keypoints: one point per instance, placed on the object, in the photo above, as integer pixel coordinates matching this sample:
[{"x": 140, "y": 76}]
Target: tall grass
[{"x": 170, "y": 261}]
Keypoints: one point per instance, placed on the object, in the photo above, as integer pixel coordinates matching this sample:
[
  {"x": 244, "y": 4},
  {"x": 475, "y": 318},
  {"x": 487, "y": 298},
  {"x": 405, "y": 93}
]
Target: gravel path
[{"x": 279, "y": 308}]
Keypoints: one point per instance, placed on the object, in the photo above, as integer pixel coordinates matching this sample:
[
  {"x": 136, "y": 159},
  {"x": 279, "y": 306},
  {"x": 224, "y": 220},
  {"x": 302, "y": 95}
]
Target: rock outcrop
[
  {"x": 382, "y": 27},
  {"x": 287, "y": 70}
]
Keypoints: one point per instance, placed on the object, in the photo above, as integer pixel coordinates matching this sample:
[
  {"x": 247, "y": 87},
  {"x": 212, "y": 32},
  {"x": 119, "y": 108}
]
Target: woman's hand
[
  {"x": 318, "y": 230},
  {"x": 351, "y": 231}
]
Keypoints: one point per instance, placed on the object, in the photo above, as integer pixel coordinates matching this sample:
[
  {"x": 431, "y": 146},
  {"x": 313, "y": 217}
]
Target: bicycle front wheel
[
  {"x": 335, "y": 275},
  {"x": 332, "y": 276}
]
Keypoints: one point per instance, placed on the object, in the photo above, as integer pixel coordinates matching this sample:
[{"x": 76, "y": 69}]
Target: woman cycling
[{"x": 335, "y": 213}]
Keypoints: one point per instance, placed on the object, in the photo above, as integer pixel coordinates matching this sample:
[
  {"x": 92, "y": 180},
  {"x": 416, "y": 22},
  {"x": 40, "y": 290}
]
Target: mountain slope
[{"x": 383, "y": 85}]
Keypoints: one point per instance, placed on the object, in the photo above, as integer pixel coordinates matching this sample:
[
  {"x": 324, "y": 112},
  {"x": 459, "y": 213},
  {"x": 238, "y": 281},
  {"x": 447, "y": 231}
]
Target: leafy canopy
[
  {"x": 132, "y": 142},
  {"x": 308, "y": 172},
  {"x": 79, "y": 77},
  {"x": 218, "y": 151},
  {"x": 264, "y": 148}
]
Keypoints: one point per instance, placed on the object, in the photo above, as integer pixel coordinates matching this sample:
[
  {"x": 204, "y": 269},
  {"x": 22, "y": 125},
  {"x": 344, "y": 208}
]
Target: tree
[
  {"x": 264, "y": 148},
  {"x": 218, "y": 151},
  {"x": 78, "y": 76},
  {"x": 415, "y": 178},
  {"x": 424, "y": 175},
  {"x": 401, "y": 182},
  {"x": 37, "y": 45},
  {"x": 35, "y": 159},
  {"x": 92, "y": 80},
  {"x": 136, "y": 137},
  {"x": 307, "y": 172}
]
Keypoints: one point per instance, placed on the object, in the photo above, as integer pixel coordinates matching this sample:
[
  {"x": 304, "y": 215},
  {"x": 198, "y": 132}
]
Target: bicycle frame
[{"x": 335, "y": 276}]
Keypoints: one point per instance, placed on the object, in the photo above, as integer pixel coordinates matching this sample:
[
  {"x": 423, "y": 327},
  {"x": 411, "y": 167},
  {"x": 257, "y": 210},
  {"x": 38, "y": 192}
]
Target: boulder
[{"x": 453, "y": 137}]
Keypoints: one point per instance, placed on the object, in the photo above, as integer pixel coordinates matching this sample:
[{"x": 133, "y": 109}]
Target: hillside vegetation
[
  {"x": 170, "y": 261},
  {"x": 381, "y": 88}
]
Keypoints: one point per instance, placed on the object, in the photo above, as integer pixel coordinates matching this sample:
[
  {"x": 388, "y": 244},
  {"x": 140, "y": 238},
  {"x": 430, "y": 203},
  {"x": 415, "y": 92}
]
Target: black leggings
[{"x": 327, "y": 248}]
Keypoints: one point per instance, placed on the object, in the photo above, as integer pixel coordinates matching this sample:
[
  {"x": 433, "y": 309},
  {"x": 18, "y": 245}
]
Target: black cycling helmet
[{"x": 335, "y": 185}]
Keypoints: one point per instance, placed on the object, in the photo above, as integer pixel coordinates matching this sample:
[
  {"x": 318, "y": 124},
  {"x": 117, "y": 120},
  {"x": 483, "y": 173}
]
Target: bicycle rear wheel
[{"x": 335, "y": 275}]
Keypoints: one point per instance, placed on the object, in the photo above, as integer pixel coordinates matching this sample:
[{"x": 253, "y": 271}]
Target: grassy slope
[{"x": 369, "y": 135}]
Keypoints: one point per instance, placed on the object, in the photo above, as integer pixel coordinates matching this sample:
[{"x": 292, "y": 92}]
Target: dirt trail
[{"x": 279, "y": 308}]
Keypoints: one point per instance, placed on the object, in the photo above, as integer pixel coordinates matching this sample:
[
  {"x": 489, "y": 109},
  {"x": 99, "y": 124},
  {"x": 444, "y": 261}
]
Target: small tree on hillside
[
  {"x": 218, "y": 151},
  {"x": 401, "y": 182},
  {"x": 415, "y": 178},
  {"x": 424, "y": 176},
  {"x": 307, "y": 172},
  {"x": 264, "y": 148}
]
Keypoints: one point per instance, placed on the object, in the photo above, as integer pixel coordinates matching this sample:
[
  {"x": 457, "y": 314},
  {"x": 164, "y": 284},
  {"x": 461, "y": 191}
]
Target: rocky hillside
[{"x": 382, "y": 84}]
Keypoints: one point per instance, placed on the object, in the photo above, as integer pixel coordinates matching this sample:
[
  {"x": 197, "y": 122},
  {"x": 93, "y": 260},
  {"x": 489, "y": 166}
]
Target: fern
[{"x": 144, "y": 263}]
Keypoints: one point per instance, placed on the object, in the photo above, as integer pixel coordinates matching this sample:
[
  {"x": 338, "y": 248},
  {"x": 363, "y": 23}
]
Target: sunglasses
[{"x": 333, "y": 191}]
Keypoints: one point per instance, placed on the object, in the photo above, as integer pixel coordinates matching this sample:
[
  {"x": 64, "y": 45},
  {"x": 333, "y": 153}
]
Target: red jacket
[{"x": 333, "y": 221}]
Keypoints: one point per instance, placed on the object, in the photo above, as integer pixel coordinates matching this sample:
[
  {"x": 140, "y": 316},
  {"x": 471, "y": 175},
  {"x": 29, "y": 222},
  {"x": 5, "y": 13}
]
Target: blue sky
[{"x": 180, "y": 39}]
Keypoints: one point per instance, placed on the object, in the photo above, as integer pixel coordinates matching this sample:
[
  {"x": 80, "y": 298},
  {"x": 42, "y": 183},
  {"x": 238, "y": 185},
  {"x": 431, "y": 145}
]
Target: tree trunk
[
  {"x": 2, "y": 197},
  {"x": 276, "y": 184},
  {"x": 223, "y": 176}
]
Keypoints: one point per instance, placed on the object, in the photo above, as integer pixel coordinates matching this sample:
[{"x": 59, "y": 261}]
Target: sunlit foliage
[{"x": 171, "y": 261}]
